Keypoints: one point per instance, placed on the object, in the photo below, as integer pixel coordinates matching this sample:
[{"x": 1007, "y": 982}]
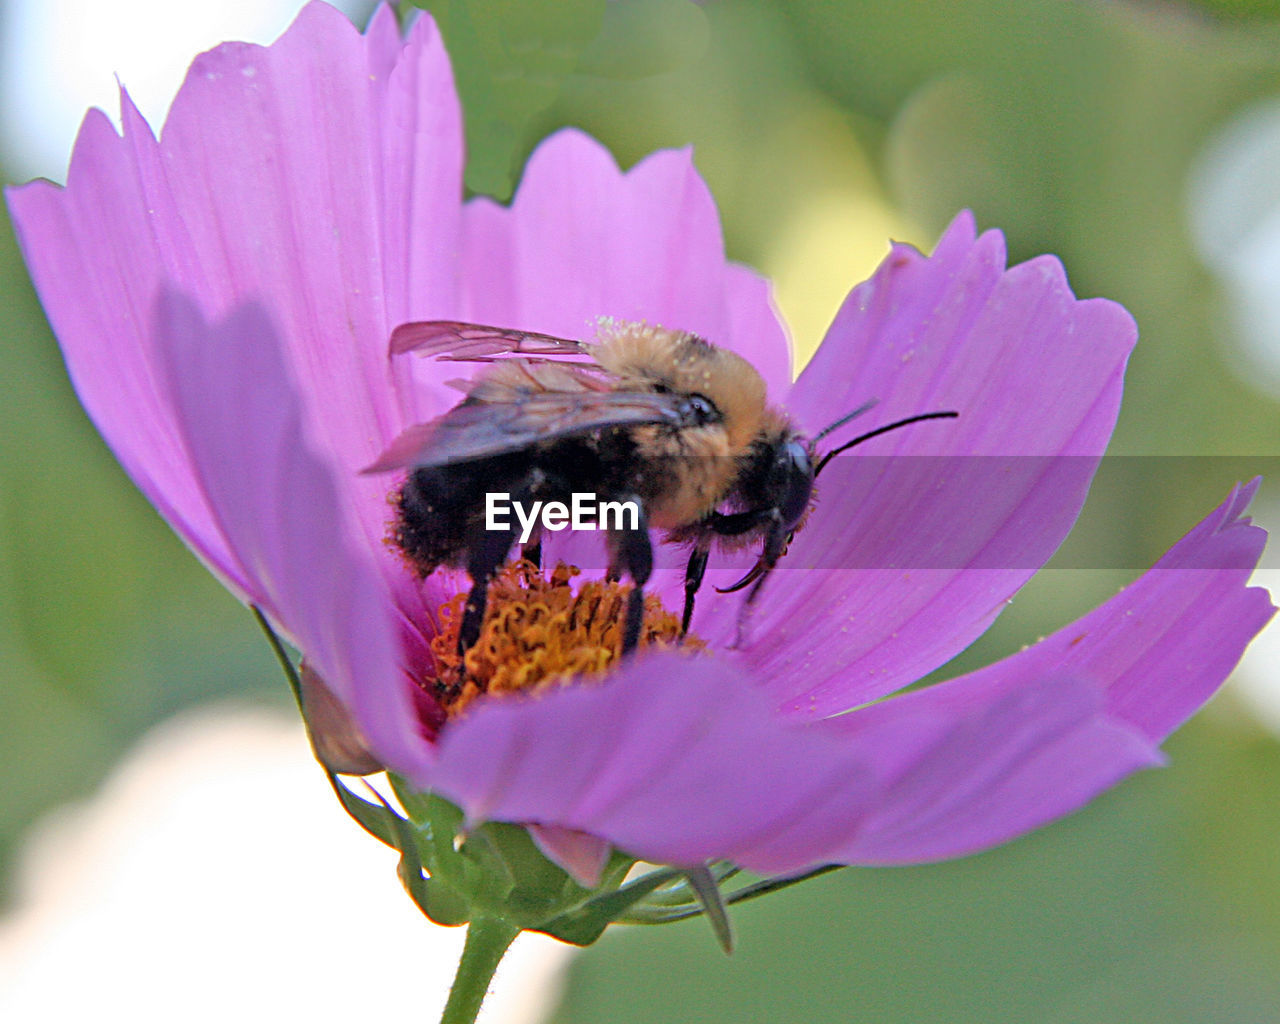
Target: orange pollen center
[{"x": 539, "y": 634}]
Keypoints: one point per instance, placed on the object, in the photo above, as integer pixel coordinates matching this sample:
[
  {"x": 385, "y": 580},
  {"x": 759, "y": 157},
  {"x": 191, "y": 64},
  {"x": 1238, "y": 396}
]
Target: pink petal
[
  {"x": 582, "y": 855},
  {"x": 582, "y": 240},
  {"x": 284, "y": 518},
  {"x": 1165, "y": 644},
  {"x": 916, "y": 556},
  {"x": 673, "y": 759},
  {"x": 290, "y": 141},
  {"x": 293, "y": 174},
  {"x": 964, "y": 778},
  {"x": 975, "y": 761},
  {"x": 421, "y": 158},
  {"x": 99, "y": 307}
]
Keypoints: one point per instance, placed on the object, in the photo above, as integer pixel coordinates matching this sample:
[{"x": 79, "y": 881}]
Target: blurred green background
[{"x": 823, "y": 129}]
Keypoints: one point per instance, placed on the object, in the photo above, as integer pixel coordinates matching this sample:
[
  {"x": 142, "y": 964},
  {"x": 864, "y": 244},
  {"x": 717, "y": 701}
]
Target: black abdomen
[{"x": 440, "y": 510}]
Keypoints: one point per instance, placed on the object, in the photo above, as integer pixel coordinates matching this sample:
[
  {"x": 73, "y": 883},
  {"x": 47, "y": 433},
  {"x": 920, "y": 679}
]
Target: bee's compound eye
[
  {"x": 797, "y": 481},
  {"x": 700, "y": 410}
]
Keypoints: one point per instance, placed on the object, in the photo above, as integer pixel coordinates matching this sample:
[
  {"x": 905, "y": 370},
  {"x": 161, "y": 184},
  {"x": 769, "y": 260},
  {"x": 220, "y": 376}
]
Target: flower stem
[{"x": 488, "y": 939}]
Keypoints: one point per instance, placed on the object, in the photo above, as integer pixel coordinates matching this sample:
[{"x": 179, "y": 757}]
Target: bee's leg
[
  {"x": 775, "y": 545},
  {"x": 542, "y": 485},
  {"x": 693, "y": 574},
  {"x": 744, "y": 612},
  {"x": 633, "y": 553},
  {"x": 487, "y": 551},
  {"x": 716, "y": 524}
]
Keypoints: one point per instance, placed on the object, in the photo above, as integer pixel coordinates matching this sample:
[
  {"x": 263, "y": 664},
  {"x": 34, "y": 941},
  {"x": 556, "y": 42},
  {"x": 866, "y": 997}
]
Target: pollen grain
[{"x": 540, "y": 633}]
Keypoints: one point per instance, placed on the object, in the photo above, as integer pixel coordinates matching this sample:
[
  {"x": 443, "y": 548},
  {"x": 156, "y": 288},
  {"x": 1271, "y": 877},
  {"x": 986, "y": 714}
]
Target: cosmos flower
[{"x": 224, "y": 298}]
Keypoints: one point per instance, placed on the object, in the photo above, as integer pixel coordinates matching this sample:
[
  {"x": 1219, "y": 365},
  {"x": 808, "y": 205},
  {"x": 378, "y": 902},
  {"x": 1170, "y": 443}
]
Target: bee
[{"x": 661, "y": 419}]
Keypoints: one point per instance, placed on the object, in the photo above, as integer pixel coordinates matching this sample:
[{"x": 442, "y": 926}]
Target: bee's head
[
  {"x": 776, "y": 486},
  {"x": 792, "y": 485},
  {"x": 782, "y": 470}
]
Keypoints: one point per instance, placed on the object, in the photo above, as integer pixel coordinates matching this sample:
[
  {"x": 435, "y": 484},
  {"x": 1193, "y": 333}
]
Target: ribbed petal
[
  {"x": 89, "y": 251},
  {"x": 973, "y": 762},
  {"x": 673, "y": 759},
  {"x": 421, "y": 161},
  {"x": 582, "y": 240},
  {"x": 285, "y": 520},
  {"x": 1163, "y": 645},
  {"x": 920, "y": 536},
  {"x": 282, "y": 172},
  {"x": 289, "y": 142}
]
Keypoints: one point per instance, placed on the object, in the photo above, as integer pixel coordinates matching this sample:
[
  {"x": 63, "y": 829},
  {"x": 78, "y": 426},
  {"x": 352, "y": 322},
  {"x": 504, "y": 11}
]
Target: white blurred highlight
[
  {"x": 1234, "y": 213},
  {"x": 215, "y": 877},
  {"x": 61, "y": 57},
  {"x": 1257, "y": 680}
]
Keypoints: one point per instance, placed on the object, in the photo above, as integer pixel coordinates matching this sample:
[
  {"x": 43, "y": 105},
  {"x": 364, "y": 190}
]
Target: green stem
[{"x": 488, "y": 939}]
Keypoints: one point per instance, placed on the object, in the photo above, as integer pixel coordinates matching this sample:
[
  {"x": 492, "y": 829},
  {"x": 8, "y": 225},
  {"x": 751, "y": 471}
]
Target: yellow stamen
[{"x": 539, "y": 634}]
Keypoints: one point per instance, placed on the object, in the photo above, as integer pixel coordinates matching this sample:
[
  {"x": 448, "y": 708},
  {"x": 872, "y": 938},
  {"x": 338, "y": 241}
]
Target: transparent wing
[
  {"x": 523, "y": 403},
  {"x": 454, "y": 340}
]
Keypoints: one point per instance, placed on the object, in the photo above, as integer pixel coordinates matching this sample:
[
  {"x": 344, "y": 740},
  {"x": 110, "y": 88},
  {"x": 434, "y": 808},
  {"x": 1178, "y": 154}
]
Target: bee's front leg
[
  {"x": 775, "y": 546},
  {"x": 736, "y": 524},
  {"x": 693, "y": 574}
]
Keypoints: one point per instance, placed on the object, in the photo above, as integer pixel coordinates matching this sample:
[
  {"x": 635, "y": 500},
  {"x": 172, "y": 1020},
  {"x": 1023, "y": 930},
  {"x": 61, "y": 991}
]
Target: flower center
[{"x": 540, "y": 633}]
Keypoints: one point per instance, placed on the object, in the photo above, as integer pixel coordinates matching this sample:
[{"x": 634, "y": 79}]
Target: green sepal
[
  {"x": 682, "y": 903},
  {"x": 529, "y": 887},
  {"x": 510, "y": 58},
  {"x": 582, "y": 925},
  {"x": 707, "y": 889},
  {"x": 682, "y": 894},
  {"x": 433, "y": 896},
  {"x": 495, "y": 867},
  {"x": 438, "y": 824},
  {"x": 377, "y": 819}
]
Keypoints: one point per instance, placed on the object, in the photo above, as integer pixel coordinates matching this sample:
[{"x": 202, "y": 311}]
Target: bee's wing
[
  {"x": 454, "y": 340},
  {"x": 526, "y": 404}
]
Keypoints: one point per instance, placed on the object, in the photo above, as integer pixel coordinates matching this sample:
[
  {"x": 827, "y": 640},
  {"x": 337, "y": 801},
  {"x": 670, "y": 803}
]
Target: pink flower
[{"x": 224, "y": 299}]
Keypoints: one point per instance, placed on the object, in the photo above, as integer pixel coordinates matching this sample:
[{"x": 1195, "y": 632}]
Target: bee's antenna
[
  {"x": 867, "y": 407},
  {"x": 878, "y": 431}
]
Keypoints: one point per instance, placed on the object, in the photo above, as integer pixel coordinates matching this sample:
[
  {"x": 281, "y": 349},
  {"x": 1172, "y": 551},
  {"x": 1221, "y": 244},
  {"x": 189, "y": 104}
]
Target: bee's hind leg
[
  {"x": 486, "y": 553},
  {"x": 633, "y": 554},
  {"x": 488, "y": 549}
]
